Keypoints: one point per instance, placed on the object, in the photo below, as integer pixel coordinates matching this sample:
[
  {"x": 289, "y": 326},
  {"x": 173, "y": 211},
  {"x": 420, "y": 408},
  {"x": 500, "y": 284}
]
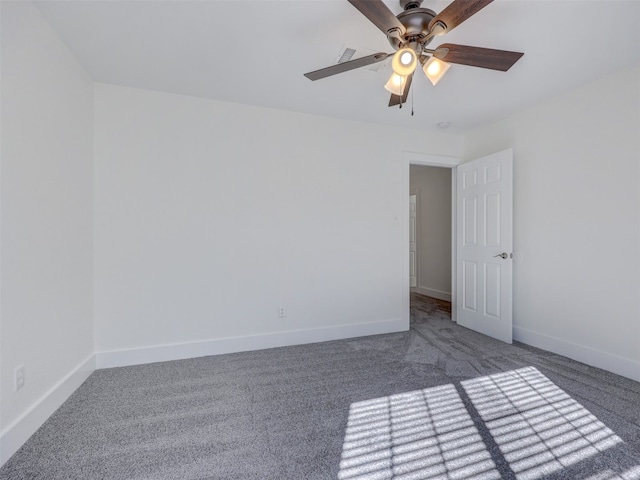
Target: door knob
[{"x": 503, "y": 255}]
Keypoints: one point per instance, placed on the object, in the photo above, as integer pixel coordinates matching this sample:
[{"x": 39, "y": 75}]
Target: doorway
[
  {"x": 481, "y": 259},
  {"x": 430, "y": 272},
  {"x": 412, "y": 159}
]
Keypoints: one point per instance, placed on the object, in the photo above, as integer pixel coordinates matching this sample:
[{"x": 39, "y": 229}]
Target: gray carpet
[{"x": 437, "y": 402}]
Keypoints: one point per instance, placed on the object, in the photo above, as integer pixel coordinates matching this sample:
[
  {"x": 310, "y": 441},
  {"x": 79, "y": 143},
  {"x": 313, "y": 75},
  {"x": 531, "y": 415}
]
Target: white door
[
  {"x": 484, "y": 265},
  {"x": 413, "y": 260}
]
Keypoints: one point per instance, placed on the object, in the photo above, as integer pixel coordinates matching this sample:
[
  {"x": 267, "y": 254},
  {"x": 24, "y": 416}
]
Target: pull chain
[{"x": 412, "y": 101}]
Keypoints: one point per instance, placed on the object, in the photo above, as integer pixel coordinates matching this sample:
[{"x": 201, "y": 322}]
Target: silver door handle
[{"x": 503, "y": 255}]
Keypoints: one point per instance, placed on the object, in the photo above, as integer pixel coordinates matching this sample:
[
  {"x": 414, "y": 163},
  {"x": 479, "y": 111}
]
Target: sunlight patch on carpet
[
  {"x": 538, "y": 427},
  {"x": 420, "y": 434},
  {"x": 517, "y": 422}
]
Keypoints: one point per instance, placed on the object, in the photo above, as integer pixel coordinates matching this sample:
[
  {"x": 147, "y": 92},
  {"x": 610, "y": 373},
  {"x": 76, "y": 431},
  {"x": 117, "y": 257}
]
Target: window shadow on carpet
[{"x": 511, "y": 425}]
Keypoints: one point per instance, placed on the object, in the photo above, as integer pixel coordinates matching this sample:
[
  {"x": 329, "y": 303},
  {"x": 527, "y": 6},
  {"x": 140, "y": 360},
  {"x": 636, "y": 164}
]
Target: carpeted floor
[{"x": 437, "y": 402}]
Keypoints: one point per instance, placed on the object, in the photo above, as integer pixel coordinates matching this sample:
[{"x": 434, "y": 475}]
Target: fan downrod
[{"x": 409, "y": 4}]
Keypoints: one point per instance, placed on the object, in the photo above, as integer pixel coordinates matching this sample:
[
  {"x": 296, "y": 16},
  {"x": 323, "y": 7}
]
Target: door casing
[{"x": 413, "y": 240}]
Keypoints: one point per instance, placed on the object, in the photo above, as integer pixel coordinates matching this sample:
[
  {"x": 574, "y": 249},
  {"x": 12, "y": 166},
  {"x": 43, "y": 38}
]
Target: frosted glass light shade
[
  {"x": 404, "y": 62},
  {"x": 396, "y": 84},
  {"x": 435, "y": 69}
]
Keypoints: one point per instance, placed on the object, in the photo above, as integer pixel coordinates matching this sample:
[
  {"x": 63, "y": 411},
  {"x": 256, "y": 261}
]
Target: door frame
[
  {"x": 428, "y": 160},
  {"x": 414, "y": 193}
]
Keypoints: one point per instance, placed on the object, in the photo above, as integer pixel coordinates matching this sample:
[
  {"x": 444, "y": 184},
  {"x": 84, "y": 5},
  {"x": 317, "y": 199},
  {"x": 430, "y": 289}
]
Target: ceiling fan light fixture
[
  {"x": 396, "y": 84},
  {"x": 404, "y": 61},
  {"x": 409, "y": 33},
  {"x": 434, "y": 69}
]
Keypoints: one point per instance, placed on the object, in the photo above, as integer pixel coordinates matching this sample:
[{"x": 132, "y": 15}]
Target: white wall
[
  {"x": 210, "y": 215},
  {"x": 46, "y": 231},
  {"x": 577, "y": 221},
  {"x": 432, "y": 186}
]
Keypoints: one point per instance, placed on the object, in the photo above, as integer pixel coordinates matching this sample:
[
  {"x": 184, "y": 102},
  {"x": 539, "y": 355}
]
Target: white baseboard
[
  {"x": 430, "y": 292},
  {"x": 18, "y": 432},
  {"x": 596, "y": 358},
  {"x": 178, "y": 351}
]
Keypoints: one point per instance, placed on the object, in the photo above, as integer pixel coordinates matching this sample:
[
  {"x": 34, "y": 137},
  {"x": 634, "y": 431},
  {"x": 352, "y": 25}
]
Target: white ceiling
[{"x": 256, "y": 52}]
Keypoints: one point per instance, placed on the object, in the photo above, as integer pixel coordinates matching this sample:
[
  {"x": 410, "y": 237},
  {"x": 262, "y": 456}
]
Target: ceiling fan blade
[
  {"x": 346, "y": 66},
  {"x": 457, "y": 12},
  {"x": 397, "y": 99},
  {"x": 379, "y": 14},
  {"x": 501, "y": 60}
]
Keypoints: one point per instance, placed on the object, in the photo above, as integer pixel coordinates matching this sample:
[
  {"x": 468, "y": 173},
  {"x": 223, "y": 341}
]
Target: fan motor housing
[{"x": 416, "y": 23}]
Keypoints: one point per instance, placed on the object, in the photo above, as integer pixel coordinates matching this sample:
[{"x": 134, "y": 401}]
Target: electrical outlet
[
  {"x": 282, "y": 312},
  {"x": 19, "y": 377}
]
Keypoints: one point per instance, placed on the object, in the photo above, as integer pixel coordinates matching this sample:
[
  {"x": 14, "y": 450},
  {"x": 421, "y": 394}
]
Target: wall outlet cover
[{"x": 19, "y": 377}]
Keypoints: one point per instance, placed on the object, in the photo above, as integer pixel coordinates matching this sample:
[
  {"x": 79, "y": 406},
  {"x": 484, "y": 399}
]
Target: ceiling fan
[{"x": 409, "y": 33}]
